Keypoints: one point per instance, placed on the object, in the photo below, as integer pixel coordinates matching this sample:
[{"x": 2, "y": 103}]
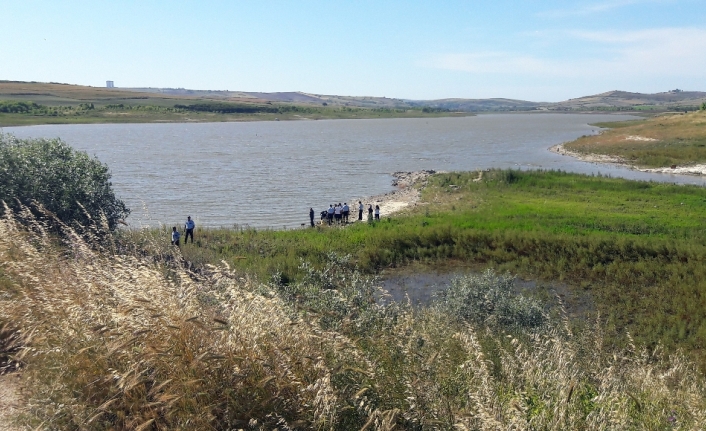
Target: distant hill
[
  {"x": 474, "y": 105},
  {"x": 618, "y": 100},
  {"x": 669, "y": 99},
  {"x": 62, "y": 94}
]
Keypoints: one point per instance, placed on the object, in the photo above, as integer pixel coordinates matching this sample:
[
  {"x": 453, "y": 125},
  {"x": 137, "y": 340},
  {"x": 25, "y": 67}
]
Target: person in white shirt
[
  {"x": 175, "y": 236},
  {"x": 330, "y": 214},
  {"x": 360, "y": 211},
  {"x": 189, "y": 228},
  {"x": 337, "y": 213}
]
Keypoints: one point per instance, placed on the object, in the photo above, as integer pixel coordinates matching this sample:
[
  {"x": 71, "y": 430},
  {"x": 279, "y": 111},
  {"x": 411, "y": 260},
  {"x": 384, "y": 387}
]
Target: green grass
[{"x": 637, "y": 247}]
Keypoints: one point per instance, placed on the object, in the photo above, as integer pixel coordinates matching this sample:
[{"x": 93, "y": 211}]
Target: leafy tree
[
  {"x": 703, "y": 106},
  {"x": 9, "y": 106},
  {"x": 65, "y": 181}
]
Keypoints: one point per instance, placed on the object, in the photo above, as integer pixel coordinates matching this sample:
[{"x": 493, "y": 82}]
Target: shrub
[
  {"x": 488, "y": 298},
  {"x": 67, "y": 182}
]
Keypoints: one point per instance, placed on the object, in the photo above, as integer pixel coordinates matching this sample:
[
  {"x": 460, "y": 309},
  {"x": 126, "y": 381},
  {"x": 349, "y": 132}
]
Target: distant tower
[{"x": 109, "y": 84}]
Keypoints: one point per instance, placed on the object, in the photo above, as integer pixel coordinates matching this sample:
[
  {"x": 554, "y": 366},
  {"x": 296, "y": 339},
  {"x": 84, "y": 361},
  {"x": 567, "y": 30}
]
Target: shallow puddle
[{"x": 421, "y": 286}]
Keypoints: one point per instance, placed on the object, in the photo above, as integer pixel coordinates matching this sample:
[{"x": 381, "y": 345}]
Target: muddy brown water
[{"x": 268, "y": 174}]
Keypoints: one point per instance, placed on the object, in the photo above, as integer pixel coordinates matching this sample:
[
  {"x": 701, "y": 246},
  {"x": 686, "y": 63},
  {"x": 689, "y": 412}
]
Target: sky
[{"x": 530, "y": 49}]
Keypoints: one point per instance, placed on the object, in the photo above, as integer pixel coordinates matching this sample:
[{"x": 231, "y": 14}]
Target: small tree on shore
[{"x": 67, "y": 182}]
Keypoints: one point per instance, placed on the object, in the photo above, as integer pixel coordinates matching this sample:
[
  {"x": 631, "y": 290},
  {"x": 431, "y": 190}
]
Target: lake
[{"x": 268, "y": 174}]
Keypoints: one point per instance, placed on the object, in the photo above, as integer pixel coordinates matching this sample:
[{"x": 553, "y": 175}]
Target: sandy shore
[
  {"x": 600, "y": 158},
  {"x": 392, "y": 202}
]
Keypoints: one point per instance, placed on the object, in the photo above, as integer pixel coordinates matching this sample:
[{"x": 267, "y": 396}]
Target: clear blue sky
[{"x": 533, "y": 50}]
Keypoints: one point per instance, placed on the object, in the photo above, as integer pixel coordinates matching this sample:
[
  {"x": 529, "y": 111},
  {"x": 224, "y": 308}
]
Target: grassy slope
[
  {"x": 675, "y": 139},
  {"x": 636, "y": 247},
  {"x": 114, "y": 341}
]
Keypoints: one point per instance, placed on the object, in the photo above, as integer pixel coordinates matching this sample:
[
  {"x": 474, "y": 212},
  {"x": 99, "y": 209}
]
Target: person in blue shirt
[
  {"x": 345, "y": 211},
  {"x": 189, "y": 227},
  {"x": 175, "y": 236}
]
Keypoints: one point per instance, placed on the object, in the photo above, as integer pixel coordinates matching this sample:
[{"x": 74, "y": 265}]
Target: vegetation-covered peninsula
[{"x": 668, "y": 143}]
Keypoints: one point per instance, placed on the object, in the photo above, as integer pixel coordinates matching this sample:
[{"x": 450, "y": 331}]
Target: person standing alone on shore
[
  {"x": 189, "y": 227},
  {"x": 360, "y": 211},
  {"x": 311, "y": 216}
]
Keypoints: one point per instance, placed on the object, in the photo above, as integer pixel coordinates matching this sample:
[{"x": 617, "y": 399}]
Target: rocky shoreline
[
  {"x": 696, "y": 170},
  {"x": 404, "y": 196}
]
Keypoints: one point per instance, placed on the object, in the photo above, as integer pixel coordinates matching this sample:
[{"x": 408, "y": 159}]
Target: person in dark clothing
[
  {"x": 311, "y": 216},
  {"x": 370, "y": 213},
  {"x": 360, "y": 211},
  {"x": 189, "y": 228}
]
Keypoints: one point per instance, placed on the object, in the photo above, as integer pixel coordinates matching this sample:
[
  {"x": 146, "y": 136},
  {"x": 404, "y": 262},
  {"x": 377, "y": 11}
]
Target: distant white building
[{"x": 109, "y": 84}]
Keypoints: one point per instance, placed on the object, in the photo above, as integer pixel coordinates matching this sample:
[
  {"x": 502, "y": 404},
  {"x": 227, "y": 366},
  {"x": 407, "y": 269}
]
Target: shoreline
[
  {"x": 693, "y": 170},
  {"x": 405, "y": 195}
]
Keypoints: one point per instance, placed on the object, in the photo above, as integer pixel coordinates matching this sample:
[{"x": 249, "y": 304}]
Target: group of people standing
[
  {"x": 336, "y": 213},
  {"x": 340, "y": 214},
  {"x": 189, "y": 226}
]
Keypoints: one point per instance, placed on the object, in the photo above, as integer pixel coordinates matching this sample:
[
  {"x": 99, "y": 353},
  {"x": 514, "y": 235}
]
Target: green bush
[
  {"x": 12, "y": 107},
  {"x": 69, "y": 183},
  {"x": 489, "y": 299}
]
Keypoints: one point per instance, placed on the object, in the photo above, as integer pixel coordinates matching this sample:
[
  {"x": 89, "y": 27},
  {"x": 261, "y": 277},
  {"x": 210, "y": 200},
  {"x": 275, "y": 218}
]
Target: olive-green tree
[{"x": 67, "y": 182}]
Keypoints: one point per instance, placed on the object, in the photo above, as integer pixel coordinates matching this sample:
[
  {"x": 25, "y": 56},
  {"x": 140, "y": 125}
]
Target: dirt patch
[
  {"x": 640, "y": 139},
  {"x": 9, "y": 401}
]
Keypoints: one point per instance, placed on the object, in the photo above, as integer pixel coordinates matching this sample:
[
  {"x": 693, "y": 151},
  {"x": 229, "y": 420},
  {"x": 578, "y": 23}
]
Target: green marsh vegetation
[
  {"x": 115, "y": 340},
  {"x": 636, "y": 247},
  {"x": 658, "y": 142}
]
